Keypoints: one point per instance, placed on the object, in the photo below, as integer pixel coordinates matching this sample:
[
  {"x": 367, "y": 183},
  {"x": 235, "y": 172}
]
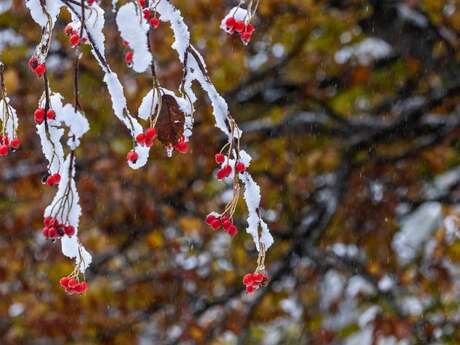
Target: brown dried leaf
[{"x": 170, "y": 123}]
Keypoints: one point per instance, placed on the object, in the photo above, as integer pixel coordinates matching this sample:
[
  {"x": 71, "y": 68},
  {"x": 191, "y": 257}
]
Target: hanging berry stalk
[{"x": 169, "y": 115}]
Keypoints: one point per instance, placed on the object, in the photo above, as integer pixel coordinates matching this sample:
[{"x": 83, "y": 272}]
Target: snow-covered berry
[
  {"x": 39, "y": 115},
  {"x": 240, "y": 167},
  {"x": 132, "y": 156},
  {"x": 50, "y": 114}
]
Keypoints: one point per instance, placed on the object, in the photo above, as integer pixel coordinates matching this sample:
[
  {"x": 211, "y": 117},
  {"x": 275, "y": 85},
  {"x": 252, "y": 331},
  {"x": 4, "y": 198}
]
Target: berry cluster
[
  {"x": 244, "y": 29},
  {"x": 147, "y": 138},
  {"x": 253, "y": 281},
  {"x": 6, "y": 144},
  {"x": 226, "y": 170},
  {"x": 74, "y": 35},
  {"x": 39, "y": 115},
  {"x": 38, "y": 68},
  {"x": 216, "y": 222},
  {"x": 150, "y": 16},
  {"x": 71, "y": 285},
  {"x": 52, "y": 229}
]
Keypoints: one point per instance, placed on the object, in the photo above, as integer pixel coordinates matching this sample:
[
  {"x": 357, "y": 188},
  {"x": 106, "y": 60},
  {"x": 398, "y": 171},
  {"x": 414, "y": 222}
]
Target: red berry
[
  {"x": 140, "y": 139},
  {"x": 226, "y": 223},
  {"x": 250, "y": 289},
  {"x": 232, "y": 230},
  {"x": 148, "y": 142},
  {"x": 4, "y": 150},
  {"x": 15, "y": 143},
  {"x": 56, "y": 178},
  {"x": 90, "y": 2},
  {"x": 72, "y": 282},
  {"x": 221, "y": 174},
  {"x": 125, "y": 43},
  {"x": 39, "y": 115},
  {"x": 259, "y": 277},
  {"x": 81, "y": 287},
  {"x": 181, "y": 146},
  {"x": 33, "y": 63},
  {"x": 155, "y": 22},
  {"x": 239, "y": 26},
  {"x": 247, "y": 279},
  {"x": 216, "y": 224},
  {"x": 249, "y": 28},
  {"x": 227, "y": 170},
  {"x": 129, "y": 57},
  {"x": 74, "y": 39},
  {"x": 64, "y": 282},
  {"x": 51, "y": 114},
  {"x": 151, "y": 133},
  {"x": 69, "y": 230},
  {"x": 47, "y": 221},
  {"x": 40, "y": 70},
  {"x": 132, "y": 156},
  {"x": 53, "y": 179},
  {"x": 210, "y": 218},
  {"x": 246, "y": 37},
  {"x": 52, "y": 232},
  {"x": 142, "y": 3},
  {"x": 240, "y": 167},
  {"x": 45, "y": 231},
  {"x": 220, "y": 158},
  {"x": 147, "y": 13},
  {"x": 230, "y": 23}
]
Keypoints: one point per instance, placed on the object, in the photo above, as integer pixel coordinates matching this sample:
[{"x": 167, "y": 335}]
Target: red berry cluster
[
  {"x": 216, "y": 222},
  {"x": 253, "y": 281},
  {"x": 53, "y": 179},
  {"x": 52, "y": 229},
  {"x": 151, "y": 18},
  {"x": 226, "y": 170},
  {"x": 71, "y": 285},
  {"x": 38, "y": 68},
  {"x": 5, "y": 145},
  {"x": 39, "y": 115},
  {"x": 147, "y": 138},
  {"x": 74, "y": 36},
  {"x": 245, "y": 30},
  {"x": 148, "y": 15}
]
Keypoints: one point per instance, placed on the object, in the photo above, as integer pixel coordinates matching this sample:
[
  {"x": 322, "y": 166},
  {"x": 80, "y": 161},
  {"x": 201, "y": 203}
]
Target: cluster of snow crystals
[
  {"x": 50, "y": 138},
  {"x": 135, "y": 33},
  {"x": 168, "y": 13},
  {"x": 416, "y": 230},
  {"x": 39, "y": 16},
  {"x": 240, "y": 15},
  {"x": 365, "y": 52},
  {"x": 8, "y": 117},
  {"x": 252, "y": 198}
]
